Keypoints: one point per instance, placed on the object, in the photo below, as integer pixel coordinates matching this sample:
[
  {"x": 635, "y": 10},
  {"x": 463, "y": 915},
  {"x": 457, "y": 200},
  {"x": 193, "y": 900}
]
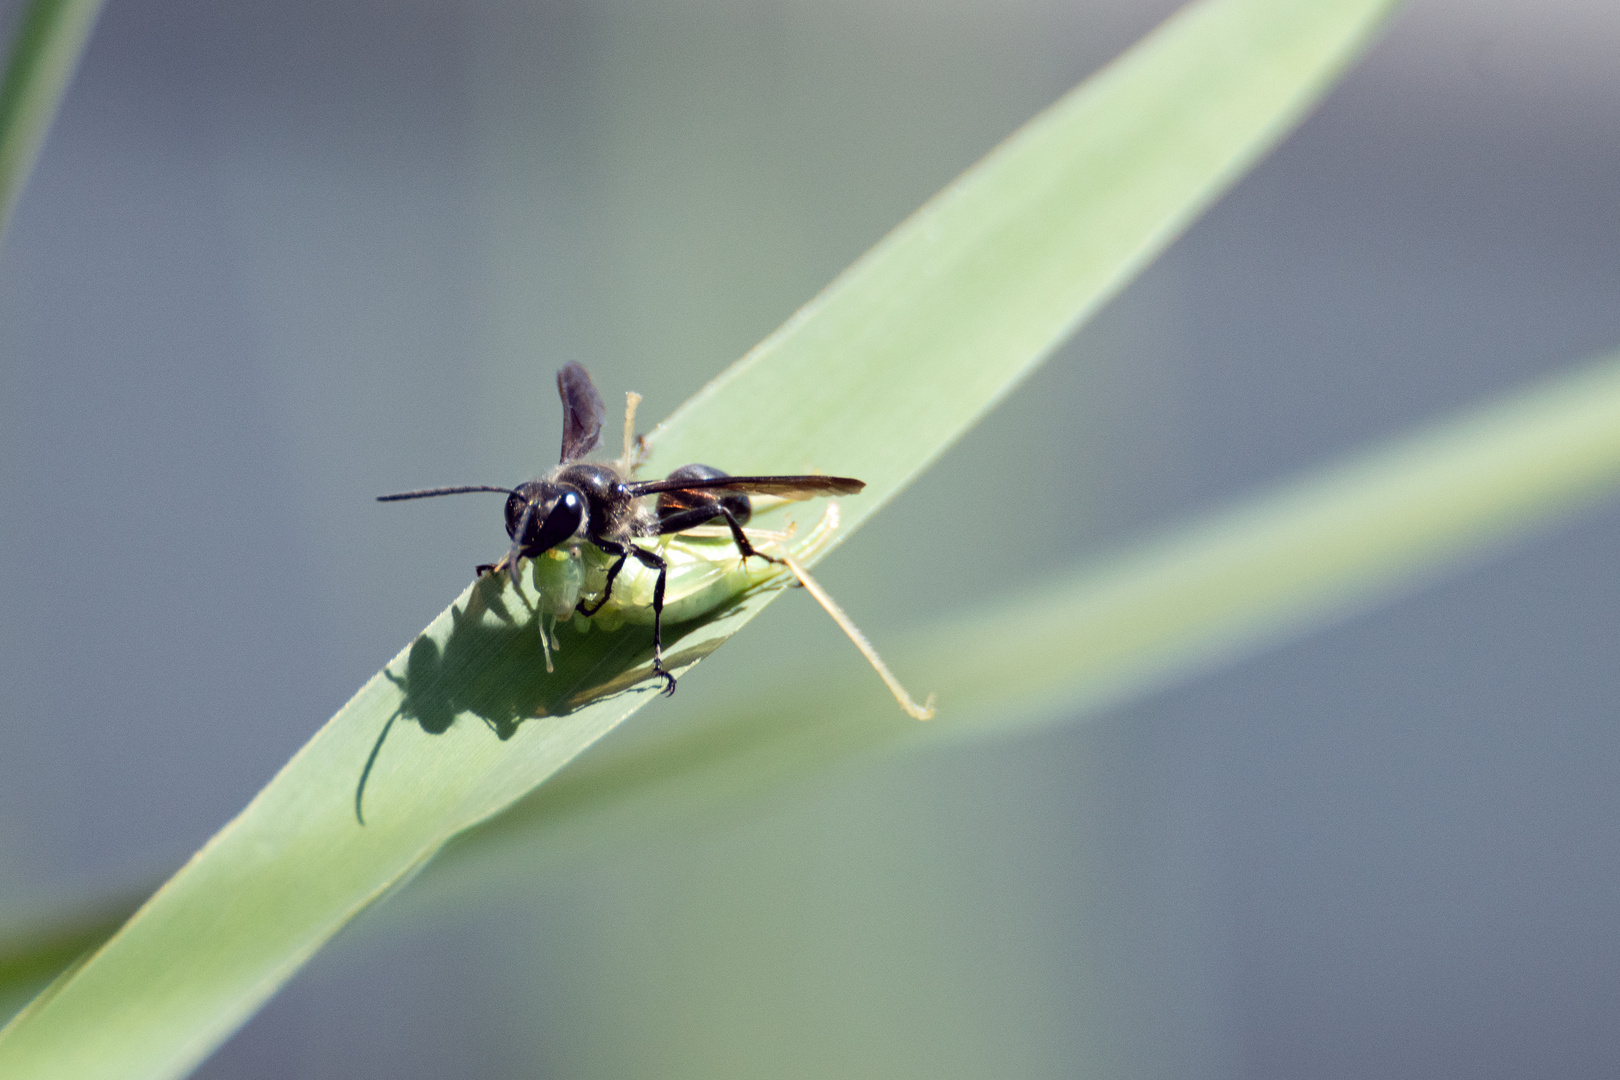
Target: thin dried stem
[
  {"x": 925, "y": 711},
  {"x": 632, "y": 452}
]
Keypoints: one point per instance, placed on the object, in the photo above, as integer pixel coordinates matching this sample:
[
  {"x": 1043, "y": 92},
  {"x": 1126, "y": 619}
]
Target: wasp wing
[
  {"x": 582, "y": 412},
  {"x": 784, "y": 487}
]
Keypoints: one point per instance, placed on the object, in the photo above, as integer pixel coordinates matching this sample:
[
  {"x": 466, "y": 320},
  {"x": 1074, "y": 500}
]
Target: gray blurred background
[{"x": 279, "y": 258}]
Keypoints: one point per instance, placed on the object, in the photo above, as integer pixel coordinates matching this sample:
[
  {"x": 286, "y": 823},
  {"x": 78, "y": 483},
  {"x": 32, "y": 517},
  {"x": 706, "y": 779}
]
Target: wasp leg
[
  {"x": 652, "y": 561},
  {"x": 613, "y": 572},
  {"x": 688, "y": 519}
]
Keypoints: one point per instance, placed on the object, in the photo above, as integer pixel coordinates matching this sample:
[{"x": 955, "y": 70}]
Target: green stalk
[{"x": 50, "y": 36}]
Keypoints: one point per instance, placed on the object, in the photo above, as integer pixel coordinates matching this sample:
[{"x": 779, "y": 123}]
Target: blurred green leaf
[
  {"x": 1326, "y": 546},
  {"x": 50, "y": 36},
  {"x": 874, "y": 378},
  {"x": 32, "y": 955}
]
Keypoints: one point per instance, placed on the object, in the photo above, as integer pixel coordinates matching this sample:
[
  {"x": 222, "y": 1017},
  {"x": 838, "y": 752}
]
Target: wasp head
[{"x": 541, "y": 515}]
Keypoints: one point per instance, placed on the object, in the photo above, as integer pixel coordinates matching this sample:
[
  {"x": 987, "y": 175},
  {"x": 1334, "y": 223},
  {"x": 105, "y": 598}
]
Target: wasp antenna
[
  {"x": 925, "y": 711},
  {"x": 426, "y": 493},
  {"x": 365, "y": 773},
  {"x": 517, "y": 543}
]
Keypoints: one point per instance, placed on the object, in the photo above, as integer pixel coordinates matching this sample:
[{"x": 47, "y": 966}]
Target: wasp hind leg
[{"x": 691, "y": 519}]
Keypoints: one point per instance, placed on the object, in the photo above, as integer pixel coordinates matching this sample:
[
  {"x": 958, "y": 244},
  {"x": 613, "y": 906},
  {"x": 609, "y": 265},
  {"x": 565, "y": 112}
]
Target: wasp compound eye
[
  {"x": 561, "y": 523},
  {"x": 525, "y": 499}
]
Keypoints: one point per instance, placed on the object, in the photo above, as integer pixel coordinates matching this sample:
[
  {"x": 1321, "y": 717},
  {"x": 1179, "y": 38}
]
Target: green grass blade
[
  {"x": 50, "y": 36},
  {"x": 875, "y": 378},
  {"x": 1328, "y": 545},
  {"x": 937, "y": 323}
]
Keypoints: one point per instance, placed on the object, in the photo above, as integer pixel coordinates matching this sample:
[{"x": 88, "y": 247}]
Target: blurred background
[{"x": 277, "y": 259}]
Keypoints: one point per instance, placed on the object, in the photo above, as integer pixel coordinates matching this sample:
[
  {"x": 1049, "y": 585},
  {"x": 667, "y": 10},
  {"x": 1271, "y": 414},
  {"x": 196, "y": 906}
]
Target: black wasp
[{"x": 600, "y": 504}]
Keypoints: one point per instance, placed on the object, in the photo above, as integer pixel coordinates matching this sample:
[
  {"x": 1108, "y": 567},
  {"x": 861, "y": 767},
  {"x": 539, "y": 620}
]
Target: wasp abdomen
[{"x": 673, "y": 503}]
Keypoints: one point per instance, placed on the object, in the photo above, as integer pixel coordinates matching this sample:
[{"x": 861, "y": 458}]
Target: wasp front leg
[{"x": 621, "y": 550}]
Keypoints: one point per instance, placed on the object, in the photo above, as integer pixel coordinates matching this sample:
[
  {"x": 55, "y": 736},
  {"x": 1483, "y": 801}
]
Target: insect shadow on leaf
[{"x": 492, "y": 665}]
